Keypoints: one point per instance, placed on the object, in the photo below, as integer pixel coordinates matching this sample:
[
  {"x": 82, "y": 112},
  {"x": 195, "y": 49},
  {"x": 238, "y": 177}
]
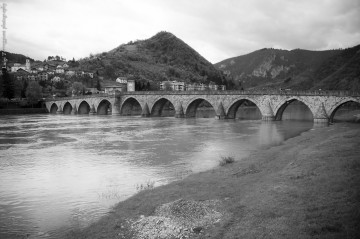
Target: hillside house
[
  {"x": 122, "y": 80},
  {"x": 60, "y": 69},
  {"x": 34, "y": 70},
  {"x": 49, "y": 67},
  {"x": 56, "y": 79},
  {"x": 113, "y": 87},
  {"x": 43, "y": 76},
  {"x": 175, "y": 85},
  {"x": 70, "y": 73},
  {"x": 195, "y": 87},
  {"x": 21, "y": 74}
]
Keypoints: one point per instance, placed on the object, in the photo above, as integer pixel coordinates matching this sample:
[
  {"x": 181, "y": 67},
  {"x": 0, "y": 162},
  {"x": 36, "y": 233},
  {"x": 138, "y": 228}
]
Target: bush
[
  {"x": 226, "y": 160},
  {"x": 149, "y": 185}
]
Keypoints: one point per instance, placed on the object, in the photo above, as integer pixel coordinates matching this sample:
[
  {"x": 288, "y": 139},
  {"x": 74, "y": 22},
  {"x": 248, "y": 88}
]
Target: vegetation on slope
[
  {"x": 162, "y": 57},
  {"x": 297, "y": 69}
]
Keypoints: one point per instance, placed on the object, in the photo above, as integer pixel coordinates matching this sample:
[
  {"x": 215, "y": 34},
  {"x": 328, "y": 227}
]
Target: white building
[
  {"x": 122, "y": 80},
  {"x": 60, "y": 69},
  {"x": 26, "y": 67},
  {"x": 175, "y": 85}
]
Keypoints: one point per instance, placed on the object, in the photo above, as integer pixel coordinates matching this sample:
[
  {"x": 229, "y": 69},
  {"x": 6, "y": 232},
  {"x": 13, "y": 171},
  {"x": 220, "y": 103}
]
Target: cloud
[{"x": 216, "y": 29}]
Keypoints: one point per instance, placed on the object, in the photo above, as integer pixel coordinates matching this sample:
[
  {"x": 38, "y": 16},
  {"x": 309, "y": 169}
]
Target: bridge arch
[
  {"x": 53, "y": 108},
  {"x": 67, "y": 108},
  {"x": 104, "y": 107},
  {"x": 84, "y": 108},
  {"x": 163, "y": 107},
  {"x": 130, "y": 106},
  {"x": 253, "y": 111},
  {"x": 342, "y": 103},
  {"x": 306, "y": 115},
  {"x": 208, "y": 109}
]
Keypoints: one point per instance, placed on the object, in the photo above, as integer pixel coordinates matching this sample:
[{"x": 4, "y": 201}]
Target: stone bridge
[{"x": 322, "y": 104}]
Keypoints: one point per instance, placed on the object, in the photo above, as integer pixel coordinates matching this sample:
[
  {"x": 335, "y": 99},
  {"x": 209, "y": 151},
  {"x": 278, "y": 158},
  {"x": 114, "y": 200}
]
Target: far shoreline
[{"x": 21, "y": 111}]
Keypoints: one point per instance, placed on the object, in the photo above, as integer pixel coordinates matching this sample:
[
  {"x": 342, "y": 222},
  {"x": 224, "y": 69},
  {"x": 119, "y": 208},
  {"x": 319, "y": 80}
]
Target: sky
[{"x": 217, "y": 29}]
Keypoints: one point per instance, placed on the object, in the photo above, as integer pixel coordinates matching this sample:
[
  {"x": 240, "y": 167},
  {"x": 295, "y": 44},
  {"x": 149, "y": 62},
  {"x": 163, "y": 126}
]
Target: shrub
[
  {"x": 226, "y": 160},
  {"x": 147, "y": 186}
]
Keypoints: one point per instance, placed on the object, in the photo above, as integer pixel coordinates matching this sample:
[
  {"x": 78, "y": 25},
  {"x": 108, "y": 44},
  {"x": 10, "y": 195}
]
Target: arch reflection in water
[
  {"x": 104, "y": 108},
  {"x": 67, "y": 108},
  {"x": 84, "y": 108},
  {"x": 346, "y": 112},
  {"x": 131, "y": 107},
  {"x": 163, "y": 108},
  {"x": 200, "y": 108},
  {"x": 244, "y": 109},
  {"x": 269, "y": 134},
  {"x": 294, "y": 110}
]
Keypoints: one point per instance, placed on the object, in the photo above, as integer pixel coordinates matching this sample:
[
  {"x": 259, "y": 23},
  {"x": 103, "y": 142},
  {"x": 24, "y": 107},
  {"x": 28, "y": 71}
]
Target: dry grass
[
  {"x": 149, "y": 185},
  {"x": 226, "y": 160}
]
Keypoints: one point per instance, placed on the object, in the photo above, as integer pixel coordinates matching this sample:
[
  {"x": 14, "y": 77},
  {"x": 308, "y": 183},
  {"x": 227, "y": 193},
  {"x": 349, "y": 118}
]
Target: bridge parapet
[
  {"x": 246, "y": 92},
  {"x": 79, "y": 97}
]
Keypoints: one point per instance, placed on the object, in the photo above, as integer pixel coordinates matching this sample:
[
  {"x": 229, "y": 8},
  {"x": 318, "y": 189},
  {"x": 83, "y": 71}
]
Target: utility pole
[{"x": 4, "y": 40}]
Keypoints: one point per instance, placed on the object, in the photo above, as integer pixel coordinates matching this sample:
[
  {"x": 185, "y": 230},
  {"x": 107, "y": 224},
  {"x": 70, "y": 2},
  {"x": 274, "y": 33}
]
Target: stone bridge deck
[{"x": 322, "y": 104}]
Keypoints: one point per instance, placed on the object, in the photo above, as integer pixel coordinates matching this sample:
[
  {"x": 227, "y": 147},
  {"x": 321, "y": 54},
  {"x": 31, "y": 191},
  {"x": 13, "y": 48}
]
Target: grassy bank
[{"x": 308, "y": 187}]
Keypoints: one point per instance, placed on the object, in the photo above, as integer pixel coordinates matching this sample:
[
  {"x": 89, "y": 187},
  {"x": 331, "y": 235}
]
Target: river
[{"x": 60, "y": 172}]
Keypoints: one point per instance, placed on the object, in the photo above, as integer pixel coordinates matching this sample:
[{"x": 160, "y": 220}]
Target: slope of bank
[
  {"x": 21, "y": 111},
  {"x": 308, "y": 187}
]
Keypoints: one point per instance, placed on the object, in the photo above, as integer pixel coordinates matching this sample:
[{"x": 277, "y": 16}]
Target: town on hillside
[{"x": 60, "y": 78}]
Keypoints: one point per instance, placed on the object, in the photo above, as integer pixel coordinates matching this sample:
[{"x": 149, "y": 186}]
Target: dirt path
[{"x": 309, "y": 187}]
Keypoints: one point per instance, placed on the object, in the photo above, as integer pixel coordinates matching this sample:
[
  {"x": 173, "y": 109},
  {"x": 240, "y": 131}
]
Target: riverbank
[
  {"x": 21, "y": 111},
  {"x": 308, "y": 187}
]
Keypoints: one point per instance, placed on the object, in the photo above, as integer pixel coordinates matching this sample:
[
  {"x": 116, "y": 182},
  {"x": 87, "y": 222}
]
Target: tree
[
  {"x": 98, "y": 85},
  {"x": 8, "y": 84},
  {"x": 60, "y": 85},
  {"x": 167, "y": 86},
  {"x": 23, "y": 91},
  {"x": 76, "y": 89},
  {"x": 18, "y": 88},
  {"x": 33, "y": 92}
]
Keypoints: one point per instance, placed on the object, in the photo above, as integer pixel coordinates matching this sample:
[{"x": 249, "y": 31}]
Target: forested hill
[
  {"x": 162, "y": 57},
  {"x": 296, "y": 69},
  {"x": 14, "y": 58}
]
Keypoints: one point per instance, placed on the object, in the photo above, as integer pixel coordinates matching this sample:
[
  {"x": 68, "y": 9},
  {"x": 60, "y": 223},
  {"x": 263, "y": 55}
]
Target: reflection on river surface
[{"x": 61, "y": 172}]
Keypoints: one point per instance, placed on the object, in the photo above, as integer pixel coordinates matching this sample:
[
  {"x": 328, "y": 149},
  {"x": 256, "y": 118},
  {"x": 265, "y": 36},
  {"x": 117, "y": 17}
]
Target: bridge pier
[
  {"x": 220, "y": 113},
  {"x": 145, "y": 111},
  {"x": 115, "y": 111},
  {"x": 220, "y": 117},
  {"x": 73, "y": 110},
  {"x": 268, "y": 118},
  {"x": 59, "y": 110},
  {"x": 92, "y": 110},
  {"x": 321, "y": 120}
]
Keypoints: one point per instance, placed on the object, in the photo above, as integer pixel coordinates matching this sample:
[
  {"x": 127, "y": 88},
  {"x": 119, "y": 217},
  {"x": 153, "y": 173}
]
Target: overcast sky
[{"x": 217, "y": 29}]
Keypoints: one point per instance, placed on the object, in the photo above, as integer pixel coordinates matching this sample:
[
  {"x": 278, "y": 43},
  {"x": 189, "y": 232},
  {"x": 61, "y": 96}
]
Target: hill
[
  {"x": 161, "y": 57},
  {"x": 296, "y": 69},
  {"x": 14, "y": 58}
]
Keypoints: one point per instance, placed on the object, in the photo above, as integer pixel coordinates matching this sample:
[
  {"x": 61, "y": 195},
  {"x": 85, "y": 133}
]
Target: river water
[{"x": 59, "y": 173}]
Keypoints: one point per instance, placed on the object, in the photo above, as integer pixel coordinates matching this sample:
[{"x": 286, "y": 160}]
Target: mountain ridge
[{"x": 296, "y": 69}]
